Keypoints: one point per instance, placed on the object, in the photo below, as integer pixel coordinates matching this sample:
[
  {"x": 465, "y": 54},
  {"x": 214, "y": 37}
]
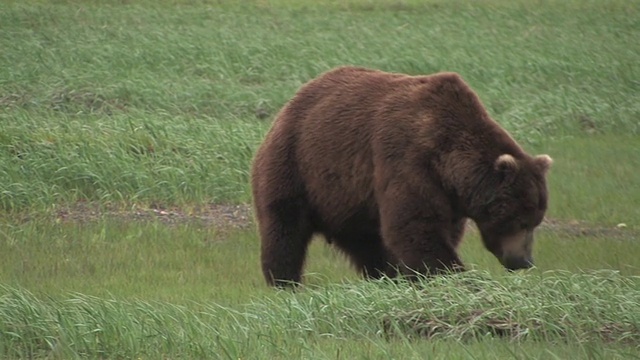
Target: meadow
[{"x": 126, "y": 126}]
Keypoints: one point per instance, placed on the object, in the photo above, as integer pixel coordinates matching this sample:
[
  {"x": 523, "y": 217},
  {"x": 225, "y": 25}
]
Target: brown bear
[{"x": 388, "y": 167}]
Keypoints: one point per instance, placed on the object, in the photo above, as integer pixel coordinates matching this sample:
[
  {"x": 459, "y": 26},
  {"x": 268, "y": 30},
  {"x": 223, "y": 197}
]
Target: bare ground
[
  {"x": 223, "y": 216},
  {"x": 240, "y": 216}
]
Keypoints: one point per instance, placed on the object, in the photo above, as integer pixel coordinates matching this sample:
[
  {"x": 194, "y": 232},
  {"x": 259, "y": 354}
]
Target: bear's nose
[{"x": 517, "y": 263}]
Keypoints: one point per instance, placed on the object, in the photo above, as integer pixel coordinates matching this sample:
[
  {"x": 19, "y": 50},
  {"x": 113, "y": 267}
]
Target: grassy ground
[
  {"x": 540, "y": 315},
  {"x": 193, "y": 262},
  {"x": 116, "y": 107},
  {"x": 163, "y": 103}
]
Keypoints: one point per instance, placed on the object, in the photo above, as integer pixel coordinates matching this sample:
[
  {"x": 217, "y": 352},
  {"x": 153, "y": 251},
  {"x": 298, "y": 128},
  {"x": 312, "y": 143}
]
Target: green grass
[
  {"x": 122, "y": 289},
  {"x": 469, "y": 310},
  {"x": 594, "y": 178},
  {"x": 144, "y": 260},
  {"x": 158, "y": 102},
  {"x": 192, "y": 262},
  {"x": 126, "y": 105}
]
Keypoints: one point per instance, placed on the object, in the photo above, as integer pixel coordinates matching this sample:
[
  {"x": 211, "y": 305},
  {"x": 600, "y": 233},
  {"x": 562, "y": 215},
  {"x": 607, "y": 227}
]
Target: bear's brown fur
[{"x": 388, "y": 167}]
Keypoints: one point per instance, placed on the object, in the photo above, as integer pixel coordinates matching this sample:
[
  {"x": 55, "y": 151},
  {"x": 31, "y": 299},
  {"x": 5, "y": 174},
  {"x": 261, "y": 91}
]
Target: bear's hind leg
[{"x": 285, "y": 232}]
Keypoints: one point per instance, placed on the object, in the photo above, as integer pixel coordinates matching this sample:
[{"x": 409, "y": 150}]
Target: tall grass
[
  {"x": 165, "y": 102},
  {"x": 122, "y": 160},
  {"x": 464, "y": 309}
]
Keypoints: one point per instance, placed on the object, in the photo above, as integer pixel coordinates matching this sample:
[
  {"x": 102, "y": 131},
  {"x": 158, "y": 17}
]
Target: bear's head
[{"x": 515, "y": 206}]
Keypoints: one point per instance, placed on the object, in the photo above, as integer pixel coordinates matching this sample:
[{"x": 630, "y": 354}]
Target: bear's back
[
  {"x": 333, "y": 120},
  {"x": 334, "y": 123}
]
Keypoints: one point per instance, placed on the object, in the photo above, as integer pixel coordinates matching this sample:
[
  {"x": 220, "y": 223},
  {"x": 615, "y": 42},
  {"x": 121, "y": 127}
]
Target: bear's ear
[
  {"x": 506, "y": 163},
  {"x": 507, "y": 167},
  {"x": 543, "y": 163}
]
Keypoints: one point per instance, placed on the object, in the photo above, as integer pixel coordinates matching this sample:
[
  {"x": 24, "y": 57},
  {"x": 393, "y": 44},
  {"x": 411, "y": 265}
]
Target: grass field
[{"x": 113, "y": 109}]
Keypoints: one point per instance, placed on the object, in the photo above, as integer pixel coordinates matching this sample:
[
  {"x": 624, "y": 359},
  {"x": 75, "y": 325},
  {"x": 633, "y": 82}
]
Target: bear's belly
[{"x": 333, "y": 222}]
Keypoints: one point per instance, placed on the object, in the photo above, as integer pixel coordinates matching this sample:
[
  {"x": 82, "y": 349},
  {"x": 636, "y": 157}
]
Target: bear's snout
[
  {"x": 515, "y": 253},
  {"x": 517, "y": 263}
]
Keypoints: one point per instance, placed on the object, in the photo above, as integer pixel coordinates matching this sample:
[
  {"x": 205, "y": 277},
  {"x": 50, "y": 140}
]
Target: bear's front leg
[
  {"x": 419, "y": 234},
  {"x": 425, "y": 257}
]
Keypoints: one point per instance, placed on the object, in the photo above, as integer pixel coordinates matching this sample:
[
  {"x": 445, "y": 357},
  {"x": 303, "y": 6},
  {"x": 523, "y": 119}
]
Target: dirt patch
[
  {"x": 240, "y": 216},
  {"x": 222, "y": 216},
  {"x": 581, "y": 229}
]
